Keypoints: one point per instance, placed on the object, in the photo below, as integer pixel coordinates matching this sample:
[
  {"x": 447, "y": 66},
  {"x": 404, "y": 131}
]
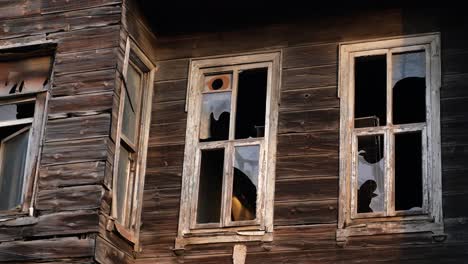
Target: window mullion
[
  {"x": 389, "y": 143},
  {"x": 227, "y": 184},
  {"x": 232, "y": 118}
]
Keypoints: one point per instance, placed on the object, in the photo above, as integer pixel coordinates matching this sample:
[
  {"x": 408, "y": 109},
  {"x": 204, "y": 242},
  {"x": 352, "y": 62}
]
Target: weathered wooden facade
[{"x": 72, "y": 220}]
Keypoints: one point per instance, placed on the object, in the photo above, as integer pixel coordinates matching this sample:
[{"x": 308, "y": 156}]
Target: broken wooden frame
[
  {"x": 429, "y": 218},
  {"x": 26, "y": 78},
  {"x": 127, "y": 213},
  {"x": 227, "y": 230}
]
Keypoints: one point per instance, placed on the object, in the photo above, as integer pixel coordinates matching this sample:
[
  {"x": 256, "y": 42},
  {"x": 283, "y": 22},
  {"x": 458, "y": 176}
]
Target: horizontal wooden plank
[
  {"x": 310, "y": 77},
  {"x": 315, "y": 143},
  {"x": 70, "y": 198},
  {"x": 64, "y": 5},
  {"x": 309, "y": 121},
  {"x": 165, "y": 156},
  {"x": 74, "y": 151},
  {"x": 454, "y": 62},
  {"x": 309, "y": 212},
  {"x": 455, "y": 205},
  {"x": 454, "y": 85},
  {"x": 454, "y": 131},
  {"x": 454, "y": 157},
  {"x": 79, "y": 104},
  {"x": 167, "y": 91},
  {"x": 19, "y": 8},
  {"x": 170, "y": 112},
  {"x": 85, "y": 61},
  {"x": 310, "y": 55},
  {"x": 46, "y": 249},
  {"x": 87, "y": 39},
  {"x": 306, "y": 189},
  {"x": 71, "y": 174},
  {"x": 63, "y": 223},
  {"x": 107, "y": 253},
  {"x": 167, "y": 134},
  {"x": 455, "y": 181},
  {"x": 309, "y": 99},
  {"x": 84, "y": 83},
  {"x": 167, "y": 177},
  {"x": 172, "y": 70},
  {"x": 78, "y": 128},
  {"x": 306, "y": 166}
]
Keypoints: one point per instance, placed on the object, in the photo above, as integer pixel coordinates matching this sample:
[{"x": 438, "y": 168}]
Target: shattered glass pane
[
  {"x": 408, "y": 171},
  {"x": 370, "y": 82},
  {"x": 131, "y": 103},
  {"x": 244, "y": 194},
  {"x": 123, "y": 172},
  {"x": 210, "y": 186},
  {"x": 22, "y": 76},
  {"x": 409, "y": 87},
  {"x": 251, "y": 103},
  {"x": 219, "y": 82},
  {"x": 14, "y": 150},
  {"x": 214, "y": 120},
  {"x": 371, "y": 174},
  {"x": 16, "y": 111}
]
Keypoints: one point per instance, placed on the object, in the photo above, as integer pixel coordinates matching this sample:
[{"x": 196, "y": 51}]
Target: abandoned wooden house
[{"x": 136, "y": 132}]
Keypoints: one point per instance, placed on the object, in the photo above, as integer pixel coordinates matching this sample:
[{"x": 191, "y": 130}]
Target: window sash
[{"x": 228, "y": 145}]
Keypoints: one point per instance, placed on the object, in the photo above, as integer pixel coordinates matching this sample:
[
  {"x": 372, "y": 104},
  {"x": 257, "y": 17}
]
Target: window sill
[
  {"x": 389, "y": 227},
  {"x": 231, "y": 237}
]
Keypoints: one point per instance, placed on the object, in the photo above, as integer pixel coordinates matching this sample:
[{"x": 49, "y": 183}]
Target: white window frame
[
  {"x": 129, "y": 228},
  {"x": 37, "y": 123},
  {"x": 260, "y": 229},
  {"x": 430, "y": 219}
]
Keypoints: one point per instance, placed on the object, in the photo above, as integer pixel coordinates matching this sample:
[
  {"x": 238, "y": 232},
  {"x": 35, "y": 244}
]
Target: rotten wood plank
[
  {"x": 83, "y": 83},
  {"x": 79, "y": 104},
  {"x": 63, "y": 175},
  {"x": 78, "y": 128},
  {"x": 70, "y": 198},
  {"x": 75, "y": 151}
]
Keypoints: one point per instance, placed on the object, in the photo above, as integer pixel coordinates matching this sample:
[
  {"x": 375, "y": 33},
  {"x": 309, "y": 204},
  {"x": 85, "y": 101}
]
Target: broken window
[
  {"x": 131, "y": 141},
  {"x": 390, "y": 149},
  {"x": 231, "y": 124},
  {"x": 24, "y": 79}
]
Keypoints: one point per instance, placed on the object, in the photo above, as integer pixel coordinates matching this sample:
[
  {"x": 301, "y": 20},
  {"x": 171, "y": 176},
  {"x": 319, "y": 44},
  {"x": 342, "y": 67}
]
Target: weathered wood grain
[
  {"x": 309, "y": 99},
  {"x": 167, "y": 134},
  {"x": 294, "y": 167},
  {"x": 74, "y": 151},
  {"x": 84, "y": 83},
  {"x": 46, "y": 249},
  {"x": 172, "y": 70},
  {"x": 310, "y": 55},
  {"x": 315, "y": 143},
  {"x": 85, "y": 61},
  {"x": 78, "y": 128},
  {"x": 170, "y": 112},
  {"x": 48, "y": 6},
  {"x": 309, "y": 121},
  {"x": 71, "y": 174},
  {"x": 87, "y": 39},
  {"x": 70, "y": 198},
  {"x": 166, "y": 177},
  {"x": 19, "y": 8},
  {"x": 306, "y": 189},
  {"x": 320, "y": 76},
  {"x": 79, "y": 104},
  {"x": 165, "y": 156},
  {"x": 107, "y": 253},
  {"x": 308, "y": 212},
  {"x": 167, "y": 91}
]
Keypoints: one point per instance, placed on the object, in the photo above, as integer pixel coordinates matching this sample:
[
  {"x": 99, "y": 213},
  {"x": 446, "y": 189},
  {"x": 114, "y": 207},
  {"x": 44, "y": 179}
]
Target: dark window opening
[
  {"x": 210, "y": 186},
  {"x": 251, "y": 103},
  {"x": 370, "y": 89},
  {"x": 409, "y": 87},
  {"x": 371, "y": 174},
  {"x": 408, "y": 171}
]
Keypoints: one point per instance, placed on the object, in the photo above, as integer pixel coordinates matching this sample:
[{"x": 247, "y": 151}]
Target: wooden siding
[
  {"x": 69, "y": 189},
  {"x": 306, "y": 197}
]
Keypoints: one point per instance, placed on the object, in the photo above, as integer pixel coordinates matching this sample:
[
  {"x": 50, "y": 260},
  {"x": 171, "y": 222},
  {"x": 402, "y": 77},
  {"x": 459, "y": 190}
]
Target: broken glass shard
[
  {"x": 409, "y": 87},
  {"x": 244, "y": 194},
  {"x": 371, "y": 174},
  {"x": 215, "y": 116}
]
